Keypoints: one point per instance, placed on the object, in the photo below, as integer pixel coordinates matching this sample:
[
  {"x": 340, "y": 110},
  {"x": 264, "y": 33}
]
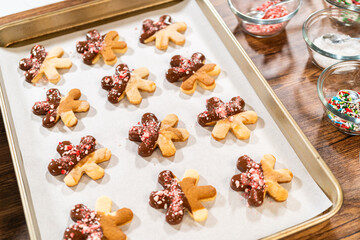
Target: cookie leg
[
  {"x": 276, "y": 191},
  {"x": 240, "y": 131},
  {"x": 51, "y": 73},
  {"x": 162, "y": 40},
  {"x": 221, "y": 129},
  {"x": 69, "y": 118},
  {"x": 110, "y": 229},
  {"x": 166, "y": 146},
  {"x": 177, "y": 38}
]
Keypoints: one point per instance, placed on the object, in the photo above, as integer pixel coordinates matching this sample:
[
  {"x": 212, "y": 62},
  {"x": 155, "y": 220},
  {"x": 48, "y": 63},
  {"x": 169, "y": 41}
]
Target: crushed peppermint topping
[
  {"x": 251, "y": 180},
  {"x": 217, "y": 110},
  {"x": 71, "y": 155},
  {"x": 87, "y": 224},
  {"x": 32, "y": 65},
  {"x": 171, "y": 198}
]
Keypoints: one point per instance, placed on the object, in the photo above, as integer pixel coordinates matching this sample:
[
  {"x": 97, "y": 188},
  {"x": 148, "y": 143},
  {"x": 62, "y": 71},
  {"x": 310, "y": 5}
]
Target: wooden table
[{"x": 284, "y": 62}]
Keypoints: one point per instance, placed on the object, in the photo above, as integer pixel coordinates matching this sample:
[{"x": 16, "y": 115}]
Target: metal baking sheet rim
[{"x": 302, "y": 146}]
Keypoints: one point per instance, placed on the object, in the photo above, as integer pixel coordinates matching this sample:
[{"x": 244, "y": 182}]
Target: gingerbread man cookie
[
  {"x": 179, "y": 196},
  {"x": 163, "y": 31},
  {"x": 258, "y": 179},
  {"x": 79, "y": 159},
  {"x": 192, "y": 71},
  {"x": 56, "y": 107},
  {"x": 152, "y": 133},
  {"x": 126, "y": 82},
  {"x": 98, "y": 224},
  {"x": 227, "y": 116},
  {"x": 97, "y": 45},
  {"x": 41, "y": 62}
]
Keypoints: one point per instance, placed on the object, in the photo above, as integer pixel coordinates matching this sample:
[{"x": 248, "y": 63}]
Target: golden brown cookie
[
  {"x": 56, "y": 107},
  {"x": 79, "y": 159},
  {"x": 179, "y": 196},
  {"x": 98, "y": 224},
  {"x": 42, "y": 62},
  {"x": 152, "y": 133},
  {"x": 258, "y": 179},
  {"x": 126, "y": 82},
  {"x": 97, "y": 45},
  {"x": 191, "y": 72},
  {"x": 227, "y": 116},
  {"x": 162, "y": 32}
]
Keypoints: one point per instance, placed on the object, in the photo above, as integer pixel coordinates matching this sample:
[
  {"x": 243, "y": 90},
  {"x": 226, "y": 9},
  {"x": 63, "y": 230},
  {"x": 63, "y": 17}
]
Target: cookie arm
[{"x": 206, "y": 193}]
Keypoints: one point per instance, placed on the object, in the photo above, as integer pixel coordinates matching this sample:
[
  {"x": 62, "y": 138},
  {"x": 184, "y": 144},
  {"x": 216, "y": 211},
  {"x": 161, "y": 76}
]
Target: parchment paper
[{"x": 129, "y": 178}]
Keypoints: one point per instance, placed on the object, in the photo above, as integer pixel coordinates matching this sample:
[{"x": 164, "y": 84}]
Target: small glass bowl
[
  {"x": 262, "y": 28},
  {"x": 340, "y": 4},
  {"x": 330, "y": 21},
  {"x": 340, "y": 76}
]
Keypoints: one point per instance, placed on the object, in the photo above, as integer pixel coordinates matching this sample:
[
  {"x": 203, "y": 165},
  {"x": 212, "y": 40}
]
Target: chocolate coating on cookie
[
  {"x": 150, "y": 27},
  {"x": 251, "y": 180},
  {"x": 217, "y": 110},
  {"x": 117, "y": 83},
  {"x": 90, "y": 48},
  {"x": 48, "y": 107},
  {"x": 87, "y": 224},
  {"x": 147, "y": 133},
  {"x": 171, "y": 198},
  {"x": 32, "y": 65},
  {"x": 71, "y": 155},
  {"x": 182, "y": 68}
]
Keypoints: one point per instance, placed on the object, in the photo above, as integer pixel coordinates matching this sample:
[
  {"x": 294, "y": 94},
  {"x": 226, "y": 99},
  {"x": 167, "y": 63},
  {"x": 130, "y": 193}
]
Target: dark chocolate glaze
[
  {"x": 150, "y": 27},
  {"x": 217, "y": 110},
  {"x": 32, "y": 65},
  {"x": 147, "y": 133},
  {"x": 90, "y": 48},
  {"x": 171, "y": 198},
  {"x": 48, "y": 107},
  {"x": 182, "y": 68},
  {"x": 251, "y": 180},
  {"x": 87, "y": 224},
  {"x": 71, "y": 155},
  {"x": 117, "y": 83}
]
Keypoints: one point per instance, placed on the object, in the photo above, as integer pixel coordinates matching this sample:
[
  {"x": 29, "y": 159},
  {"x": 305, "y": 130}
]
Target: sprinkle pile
[
  {"x": 341, "y": 103},
  {"x": 273, "y": 13},
  {"x": 349, "y": 2}
]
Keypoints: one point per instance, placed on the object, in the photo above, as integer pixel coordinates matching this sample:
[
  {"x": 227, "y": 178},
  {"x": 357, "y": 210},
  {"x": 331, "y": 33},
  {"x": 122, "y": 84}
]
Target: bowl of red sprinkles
[
  {"x": 338, "y": 88},
  {"x": 264, "y": 18}
]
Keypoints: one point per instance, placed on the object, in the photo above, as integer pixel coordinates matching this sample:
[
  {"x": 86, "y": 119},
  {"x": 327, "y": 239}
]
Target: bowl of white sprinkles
[
  {"x": 332, "y": 35},
  {"x": 338, "y": 88}
]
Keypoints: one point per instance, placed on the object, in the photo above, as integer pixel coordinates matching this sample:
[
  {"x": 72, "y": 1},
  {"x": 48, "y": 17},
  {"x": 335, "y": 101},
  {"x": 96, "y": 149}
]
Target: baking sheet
[
  {"x": 15, "y": 6},
  {"x": 129, "y": 178}
]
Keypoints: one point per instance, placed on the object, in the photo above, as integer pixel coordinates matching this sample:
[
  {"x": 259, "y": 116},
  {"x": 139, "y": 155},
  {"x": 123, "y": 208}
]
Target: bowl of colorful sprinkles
[
  {"x": 332, "y": 35},
  {"x": 338, "y": 88},
  {"x": 264, "y": 18},
  {"x": 345, "y": 4}
]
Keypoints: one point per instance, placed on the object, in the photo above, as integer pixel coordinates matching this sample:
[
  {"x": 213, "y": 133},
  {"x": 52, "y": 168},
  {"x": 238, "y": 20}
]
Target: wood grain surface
[{"x": 284, "y": 62}]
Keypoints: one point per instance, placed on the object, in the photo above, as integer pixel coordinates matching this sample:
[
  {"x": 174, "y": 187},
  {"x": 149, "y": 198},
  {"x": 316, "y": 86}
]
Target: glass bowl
[
  {"x": 344, "y": 4},
  {"x": 268, "y": 26},
  {"x": 344, "y": 75},
  {"x": 332, "y": 21}
]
